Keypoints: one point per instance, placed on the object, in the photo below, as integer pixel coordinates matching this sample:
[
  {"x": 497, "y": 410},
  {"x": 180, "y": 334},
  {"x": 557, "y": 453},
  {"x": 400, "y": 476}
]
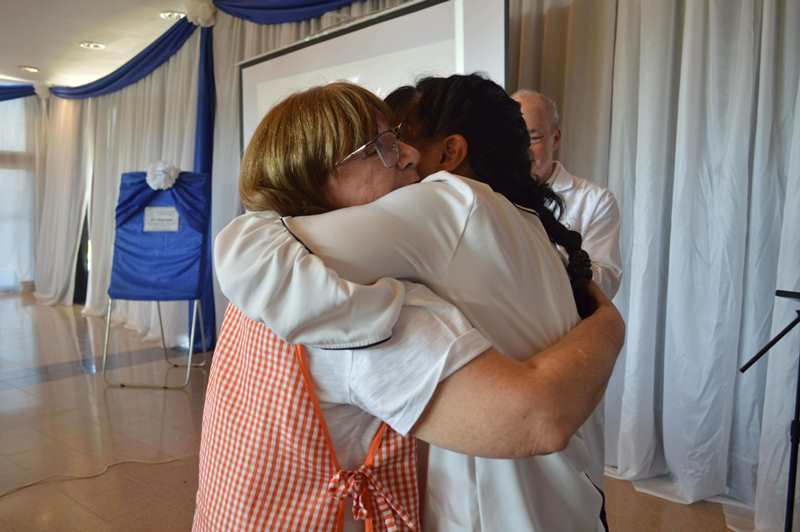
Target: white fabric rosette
[
  {"x": 161, "y": 175},
  {"x": 201, "y": 12}
]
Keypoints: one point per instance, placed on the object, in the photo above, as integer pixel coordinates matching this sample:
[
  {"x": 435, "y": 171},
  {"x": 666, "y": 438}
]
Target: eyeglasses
[
  {"x": 384, "y": 144},
  {"x": 537, "y": 139}
]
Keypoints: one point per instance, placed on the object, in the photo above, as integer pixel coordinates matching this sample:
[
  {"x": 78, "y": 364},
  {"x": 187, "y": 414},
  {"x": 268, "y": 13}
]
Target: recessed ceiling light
[
  {"x": 172, "y": 15},
  {"x": 28, "y": 68},
  {"x": 89, "y": 45}
]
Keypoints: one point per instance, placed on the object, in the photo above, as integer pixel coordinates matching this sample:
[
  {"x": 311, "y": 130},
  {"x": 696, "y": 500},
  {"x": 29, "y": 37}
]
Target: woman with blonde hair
[{"x": 329, "y": 409}]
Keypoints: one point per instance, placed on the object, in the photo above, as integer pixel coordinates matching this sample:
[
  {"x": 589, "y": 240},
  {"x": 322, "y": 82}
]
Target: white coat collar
[{"x": 561, "y": 180}]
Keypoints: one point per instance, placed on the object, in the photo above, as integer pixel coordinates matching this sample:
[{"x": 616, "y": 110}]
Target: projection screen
[{"x": 381, "y": 52}]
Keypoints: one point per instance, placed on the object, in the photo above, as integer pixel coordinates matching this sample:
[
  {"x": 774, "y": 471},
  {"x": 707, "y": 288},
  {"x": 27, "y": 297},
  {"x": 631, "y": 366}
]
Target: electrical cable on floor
[{"x": 59, "y": 478}]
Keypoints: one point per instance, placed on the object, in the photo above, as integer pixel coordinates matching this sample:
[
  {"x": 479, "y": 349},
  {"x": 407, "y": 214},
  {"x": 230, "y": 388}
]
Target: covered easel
[{"x": 160, "y": 251}]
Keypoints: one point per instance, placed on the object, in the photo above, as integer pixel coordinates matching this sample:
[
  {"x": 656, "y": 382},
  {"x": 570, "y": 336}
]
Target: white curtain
[
  {"x": 688, "y": 111},
  {"x": 236, "y": 40},
  {"x": 779, "y": 161},
  {"x": 152, "y": 120},
  {"x": 556, "y": 46},
  {"x": 63, "y": 205},
  {"x": 19, "y": 163}
]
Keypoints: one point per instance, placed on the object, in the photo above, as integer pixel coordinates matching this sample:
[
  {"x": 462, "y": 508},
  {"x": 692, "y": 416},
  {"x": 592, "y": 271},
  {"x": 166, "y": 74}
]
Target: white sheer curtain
[
  {"x": 236, "y": 40},
  {"x": 152, "y": 120},
  {"x": 688, "y": 111},
  {"x": 19, "y": 155},
  {"x": 779, "y": 162},
  {"x": 67, "y": 170}
]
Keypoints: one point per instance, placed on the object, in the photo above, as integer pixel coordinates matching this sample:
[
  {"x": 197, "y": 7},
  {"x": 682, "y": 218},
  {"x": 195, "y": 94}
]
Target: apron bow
[{"x": 359, "y": 485}]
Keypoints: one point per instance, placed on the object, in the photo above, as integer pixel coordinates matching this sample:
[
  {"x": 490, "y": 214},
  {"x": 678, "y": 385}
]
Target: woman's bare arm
[{"x": 499, "y": 407}]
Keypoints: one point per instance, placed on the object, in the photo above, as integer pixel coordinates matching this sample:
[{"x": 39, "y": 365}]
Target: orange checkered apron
[{"x": 266, "y": 458}]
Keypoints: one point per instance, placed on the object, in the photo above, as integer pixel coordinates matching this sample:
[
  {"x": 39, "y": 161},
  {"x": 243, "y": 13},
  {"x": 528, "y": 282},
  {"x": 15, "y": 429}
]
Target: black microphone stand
[{"x": 794, "y": 428}]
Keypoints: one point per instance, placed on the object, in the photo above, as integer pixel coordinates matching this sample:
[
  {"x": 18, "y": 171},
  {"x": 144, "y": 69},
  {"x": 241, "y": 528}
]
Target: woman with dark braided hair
[
  {"x": 497, "y": 264},
  {"x": 481, "y": 112},
  {"x": 464, "y": 105}
]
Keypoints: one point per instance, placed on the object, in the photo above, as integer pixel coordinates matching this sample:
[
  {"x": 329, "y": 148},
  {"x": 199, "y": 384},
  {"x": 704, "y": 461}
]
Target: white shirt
[
  {"x": 392, "y": 381},
  {"x": 269, "y": 275},
  {"x": 497, "y": 264},
  {"x": 592, "y": 211},
  {"x": 449, "y": 232},
  {"x": 509, "y": 281}
]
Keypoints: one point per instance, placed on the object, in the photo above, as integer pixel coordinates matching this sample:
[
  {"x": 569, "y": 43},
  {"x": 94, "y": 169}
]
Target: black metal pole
[
  {"x": 794, "y": 428},
  {"x": 770, "y": 344},
  {"x": 794, "y": 436}
]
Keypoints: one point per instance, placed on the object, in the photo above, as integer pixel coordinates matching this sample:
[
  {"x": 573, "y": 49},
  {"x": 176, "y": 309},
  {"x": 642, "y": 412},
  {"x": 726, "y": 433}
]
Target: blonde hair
[{"x": 296, "y": 146}]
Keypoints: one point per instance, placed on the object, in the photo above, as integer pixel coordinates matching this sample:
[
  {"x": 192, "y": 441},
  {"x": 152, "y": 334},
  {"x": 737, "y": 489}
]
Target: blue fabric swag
[
  {"x": 144, "y": 63},
  {"x": 12, "y": 92},
  {"x": 278, "y": 11}
]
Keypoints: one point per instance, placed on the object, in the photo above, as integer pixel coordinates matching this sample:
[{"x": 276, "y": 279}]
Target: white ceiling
[{"x": 47, "y": 33}]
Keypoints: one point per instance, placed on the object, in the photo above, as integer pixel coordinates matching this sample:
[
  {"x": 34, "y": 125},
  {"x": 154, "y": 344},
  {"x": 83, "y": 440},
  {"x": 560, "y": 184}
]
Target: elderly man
[{"x": 589, "y": 209}]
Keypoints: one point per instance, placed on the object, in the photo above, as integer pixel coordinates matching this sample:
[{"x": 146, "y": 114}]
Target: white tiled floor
[{"x": 58, "y": 418}]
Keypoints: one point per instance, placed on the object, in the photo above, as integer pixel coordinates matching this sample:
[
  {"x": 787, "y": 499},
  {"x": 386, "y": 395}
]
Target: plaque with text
[{"x": 161, "y": 220}]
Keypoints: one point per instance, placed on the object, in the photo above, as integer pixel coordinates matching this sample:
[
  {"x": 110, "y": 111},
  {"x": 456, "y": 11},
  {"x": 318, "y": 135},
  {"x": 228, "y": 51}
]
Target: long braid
[
  {"x": 498, "y": 140},
  {"x": 534, "y": 195}
]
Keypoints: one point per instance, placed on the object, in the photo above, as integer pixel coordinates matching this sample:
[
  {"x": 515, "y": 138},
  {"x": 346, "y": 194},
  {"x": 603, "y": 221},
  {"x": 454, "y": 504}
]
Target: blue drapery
[
  {"x": 160, "y": 266},
  {"x": 278, "y": 11},
  {"x": 203, "y": 158},
  {"x": 12, "y": 92},
  {"x": 137, "y": 68}
]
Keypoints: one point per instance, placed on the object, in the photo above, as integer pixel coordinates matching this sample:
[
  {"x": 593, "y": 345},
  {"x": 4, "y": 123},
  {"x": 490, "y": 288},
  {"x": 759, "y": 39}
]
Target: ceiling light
[
  {"x": 172, "y": 15},
  {"x": 89, "y": 45},
  {"x": 28, "y": 68}
]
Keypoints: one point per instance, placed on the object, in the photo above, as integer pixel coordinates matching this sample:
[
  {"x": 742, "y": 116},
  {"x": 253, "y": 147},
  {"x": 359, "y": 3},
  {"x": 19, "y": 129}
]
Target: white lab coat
[{"x": 592, "y": 211}]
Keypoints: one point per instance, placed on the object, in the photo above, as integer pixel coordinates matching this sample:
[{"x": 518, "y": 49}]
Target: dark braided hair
[{"x": 498, "y": 140}]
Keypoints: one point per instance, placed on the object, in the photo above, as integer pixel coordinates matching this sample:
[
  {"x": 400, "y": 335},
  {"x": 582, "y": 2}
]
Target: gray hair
[{"x": 548, "y": 103}]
